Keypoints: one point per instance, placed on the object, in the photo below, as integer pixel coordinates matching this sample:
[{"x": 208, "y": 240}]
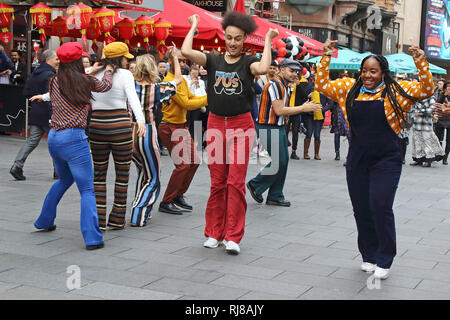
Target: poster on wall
[{"x": 437, "y": 29}]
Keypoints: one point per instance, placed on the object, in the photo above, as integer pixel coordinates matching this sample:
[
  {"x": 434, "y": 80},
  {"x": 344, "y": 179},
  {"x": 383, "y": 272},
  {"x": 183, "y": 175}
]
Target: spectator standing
[
  {"x": 6, "y": 67},
  {"x": 39, "y": 112},
  {"x": 442, "y": 126},
  {"x": 19, "y": 74}
]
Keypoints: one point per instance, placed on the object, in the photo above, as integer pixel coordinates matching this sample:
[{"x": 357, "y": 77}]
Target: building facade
[{"x": 363, "y": 25}]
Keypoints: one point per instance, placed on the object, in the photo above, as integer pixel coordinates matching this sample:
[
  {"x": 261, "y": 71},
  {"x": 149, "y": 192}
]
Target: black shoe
[
  {"x": 95, "y": 246},
  {"x": 52, "y": 228},
  {"x": 17, "y": 173},
  {"x": 338, "y": 157},
  {"x": 281, "y": 203},
  {"x": 294, "y": 156},
  {"x": 170, "y": 208},
  {"x": 426, "y": 164},
  {"x": 257, "y": 197},
  {"x": 181, "y": 202}
]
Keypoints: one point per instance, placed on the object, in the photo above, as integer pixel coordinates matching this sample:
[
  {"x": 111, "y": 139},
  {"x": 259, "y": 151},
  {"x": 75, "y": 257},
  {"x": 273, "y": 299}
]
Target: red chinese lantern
[
  {"x": 60, "y": 28},
  {"x": 126, "y": 28},
  {"x": 40, "y": 15},
  {"x": 82, "y": 16},
  {"x": 144, "y": 29},
  {"x": 105, "y": 21},
  {"x": 6, "y": 15},
  {"x": 93, "y": 33},
  {"x": 161, "y": 33}
]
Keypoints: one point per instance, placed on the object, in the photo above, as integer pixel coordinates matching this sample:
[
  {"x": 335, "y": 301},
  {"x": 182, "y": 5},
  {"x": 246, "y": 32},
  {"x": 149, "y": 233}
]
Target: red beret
[{"x": 69, "y": 52}]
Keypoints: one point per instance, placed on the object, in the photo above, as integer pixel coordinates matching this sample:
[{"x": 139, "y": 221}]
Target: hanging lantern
[
  {"x": 40, "y": 15},
  {"x": 126, "y": 30},
  {"x": 161, "y": 33},
  {"x": 81, "y": 17},
  {"x": 105, "y": 20},
  {"x": 60, "y": 28},
  {"x": 93, "y": 33},
  {"x": 6, "y": 15},
  {"x": 144, "y": 29}
]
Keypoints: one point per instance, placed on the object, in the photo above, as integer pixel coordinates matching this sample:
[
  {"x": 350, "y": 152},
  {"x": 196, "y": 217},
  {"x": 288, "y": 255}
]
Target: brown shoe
[
  {"x": 316, "y": 150},
  {"x": 306, "y": 144}
]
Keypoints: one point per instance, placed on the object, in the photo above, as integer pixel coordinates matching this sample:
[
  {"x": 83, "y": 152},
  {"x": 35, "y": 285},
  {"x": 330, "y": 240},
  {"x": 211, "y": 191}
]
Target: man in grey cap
[{"x": 270, "y": 123}]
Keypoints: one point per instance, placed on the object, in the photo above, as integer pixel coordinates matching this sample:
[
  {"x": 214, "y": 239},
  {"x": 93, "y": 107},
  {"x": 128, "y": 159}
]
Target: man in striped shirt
[{"x": 270, "y": 124}]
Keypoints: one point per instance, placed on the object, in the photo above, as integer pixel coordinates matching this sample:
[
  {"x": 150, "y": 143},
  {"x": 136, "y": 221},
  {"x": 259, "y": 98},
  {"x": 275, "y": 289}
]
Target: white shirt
[
  {"x": 123, "y": 89},
  {"x": 196, "y": 91}
]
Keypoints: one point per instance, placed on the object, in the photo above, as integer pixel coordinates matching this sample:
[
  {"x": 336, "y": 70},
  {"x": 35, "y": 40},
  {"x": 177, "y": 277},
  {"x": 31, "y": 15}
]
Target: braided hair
[{"x": 392, "y": 88}]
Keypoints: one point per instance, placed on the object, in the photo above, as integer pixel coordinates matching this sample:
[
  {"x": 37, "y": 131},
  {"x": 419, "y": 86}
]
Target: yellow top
[
  {"x": 337, "y": 90},
  {"x": 315, "y": 97},
  {"x": 183, "y": 101}
]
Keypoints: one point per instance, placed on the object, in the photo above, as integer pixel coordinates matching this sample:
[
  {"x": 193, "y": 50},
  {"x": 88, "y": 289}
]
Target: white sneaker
[
  {"x": 232, "y": 247},
  {"x": 381, "y": 273},
  {"x": 211, "y": 243},
  {"x": 368, "y": 267},
  {"x": 264, "y": 154}
]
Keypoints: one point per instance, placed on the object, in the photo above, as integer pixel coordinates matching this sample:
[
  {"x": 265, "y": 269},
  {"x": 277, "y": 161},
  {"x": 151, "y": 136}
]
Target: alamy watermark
[
  {"x": 74, "y": 280},
  {"x": 230, "y": 147}
]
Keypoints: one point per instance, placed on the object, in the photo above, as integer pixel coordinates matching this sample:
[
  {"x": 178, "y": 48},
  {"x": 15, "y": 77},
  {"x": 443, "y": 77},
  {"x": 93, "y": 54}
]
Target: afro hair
[{"x": 239, "y": 20}]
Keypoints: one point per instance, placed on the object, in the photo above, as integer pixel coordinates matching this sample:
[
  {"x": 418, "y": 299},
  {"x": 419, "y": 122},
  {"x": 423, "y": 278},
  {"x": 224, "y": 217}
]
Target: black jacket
[
  {"x": 22, "y": 74},
  {"x": 40, "y": 112}
]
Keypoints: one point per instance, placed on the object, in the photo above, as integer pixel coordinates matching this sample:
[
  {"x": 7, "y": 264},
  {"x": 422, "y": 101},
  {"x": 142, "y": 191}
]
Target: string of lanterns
[{"x": 97, "y": 25}]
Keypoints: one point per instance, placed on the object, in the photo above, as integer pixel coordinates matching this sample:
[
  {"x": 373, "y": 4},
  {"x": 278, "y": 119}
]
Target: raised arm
[
  {"x": 335, "y": 90},
  {"x": 425, "y": 87},
  {"x": 186, "y": 49},
  {"x": 262, "y": 67}
]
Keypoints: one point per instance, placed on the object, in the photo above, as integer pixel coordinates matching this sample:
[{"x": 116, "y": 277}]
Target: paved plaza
[{"x": 307, "y": 251}]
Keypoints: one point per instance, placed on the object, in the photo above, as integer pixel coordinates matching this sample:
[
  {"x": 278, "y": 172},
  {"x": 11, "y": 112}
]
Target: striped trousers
[
  {"x": 110, "y": 132},
  {"x": 146, "y": 157}
]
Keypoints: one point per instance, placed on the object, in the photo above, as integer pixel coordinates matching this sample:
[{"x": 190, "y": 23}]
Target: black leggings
[{"x": 440, "y": 131}]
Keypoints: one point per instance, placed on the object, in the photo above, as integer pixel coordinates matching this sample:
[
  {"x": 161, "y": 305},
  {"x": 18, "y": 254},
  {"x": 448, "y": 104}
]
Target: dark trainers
[
  {"x": 294, "y": 156},
  {"x": 17, "y": 173},
  {"x": 95, "y": 246},
  {"x": 181, "y": 202},
  {"x": 170, "y": 208},
  {"x": 281, "y": 203},
  {"x": 257, "y": 197}
]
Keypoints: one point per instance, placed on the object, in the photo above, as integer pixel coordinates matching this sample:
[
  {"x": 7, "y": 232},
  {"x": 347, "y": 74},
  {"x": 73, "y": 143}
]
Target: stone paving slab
[{"x": 307, "y": 251}]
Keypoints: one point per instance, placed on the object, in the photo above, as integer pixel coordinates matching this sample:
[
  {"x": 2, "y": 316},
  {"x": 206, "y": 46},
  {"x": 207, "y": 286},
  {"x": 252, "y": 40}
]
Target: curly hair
[{"x": 239, "y": 20}]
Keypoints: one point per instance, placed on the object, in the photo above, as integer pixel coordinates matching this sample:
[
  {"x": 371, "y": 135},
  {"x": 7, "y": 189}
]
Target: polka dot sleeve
[
  {"x": 336, "y": 90},
  {"x": 422, "y": 89}
]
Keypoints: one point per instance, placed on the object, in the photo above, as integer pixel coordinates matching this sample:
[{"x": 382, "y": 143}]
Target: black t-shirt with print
[{"x": 230, "y": 86}]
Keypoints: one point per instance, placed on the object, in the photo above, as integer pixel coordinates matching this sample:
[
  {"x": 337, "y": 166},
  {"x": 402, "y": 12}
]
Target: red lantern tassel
[{"x": 42, "y": 36}]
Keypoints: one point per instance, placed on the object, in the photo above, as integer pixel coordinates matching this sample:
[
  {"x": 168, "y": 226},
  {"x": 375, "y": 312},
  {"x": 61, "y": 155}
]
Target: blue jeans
[
  {"x": 312, "y": 126},
  {"x": 73, "y": 162}
]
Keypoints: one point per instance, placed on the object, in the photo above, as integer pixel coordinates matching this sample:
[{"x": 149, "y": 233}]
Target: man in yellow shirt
[{"x": 182, "y": 150}]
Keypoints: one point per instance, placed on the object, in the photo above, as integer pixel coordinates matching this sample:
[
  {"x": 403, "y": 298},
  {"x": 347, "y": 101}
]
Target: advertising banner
[{"x": 437, "y": 29}]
